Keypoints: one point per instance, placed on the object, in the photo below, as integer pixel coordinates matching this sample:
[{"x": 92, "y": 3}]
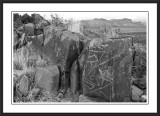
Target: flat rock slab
[
  {"x": 83, "y": 98},
  {"x": 136, "y": 93},
  {"x": 29, "y": 29},
  {"x": 47, "y": 78},
  {"x": 107, "y": 70}
]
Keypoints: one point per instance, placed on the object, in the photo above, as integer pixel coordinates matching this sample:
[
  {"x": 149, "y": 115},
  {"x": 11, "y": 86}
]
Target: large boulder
[
  {"x": 59, "y": 47},
  {"x": 42, "y": 24},
  {"x": 105, "y": 70},
  {"x": 32, "y": 29},
  {"x": 29, "y": 29},
  {"x": 37, "y": 17},
  {"x": 47, "y": 78}
]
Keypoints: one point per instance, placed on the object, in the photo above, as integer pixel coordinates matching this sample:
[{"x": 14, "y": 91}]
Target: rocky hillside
[
  {"x": 124, "y": 25},
  {"x": 89, "y": 64},
  {"x": 121, "y": 23}
]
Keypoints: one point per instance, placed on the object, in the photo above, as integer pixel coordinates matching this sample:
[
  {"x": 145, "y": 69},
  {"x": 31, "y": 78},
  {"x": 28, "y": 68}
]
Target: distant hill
[{"x": 124, "y": 24}]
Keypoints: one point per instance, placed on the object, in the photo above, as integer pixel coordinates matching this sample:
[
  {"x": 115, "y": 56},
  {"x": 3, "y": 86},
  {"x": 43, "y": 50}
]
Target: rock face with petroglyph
[
  {"x": 90, "y": 61},
  {"x": 106, "y": 69}
]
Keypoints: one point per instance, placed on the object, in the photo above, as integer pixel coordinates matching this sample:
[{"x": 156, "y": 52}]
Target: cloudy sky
[{"x": 135, "y": 16}]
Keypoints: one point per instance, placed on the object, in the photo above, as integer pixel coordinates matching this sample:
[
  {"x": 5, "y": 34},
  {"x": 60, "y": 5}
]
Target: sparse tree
[{"x": 60, "y": 22}]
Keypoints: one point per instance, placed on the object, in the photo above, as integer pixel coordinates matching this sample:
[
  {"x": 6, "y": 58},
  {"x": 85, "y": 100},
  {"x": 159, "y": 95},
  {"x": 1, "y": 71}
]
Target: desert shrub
[
  {"x": 17, "y": 66},
  {"x": 58, "y": 21},
  {"x": 26, "y": 19},
  {"x": 17, "y": 20}
]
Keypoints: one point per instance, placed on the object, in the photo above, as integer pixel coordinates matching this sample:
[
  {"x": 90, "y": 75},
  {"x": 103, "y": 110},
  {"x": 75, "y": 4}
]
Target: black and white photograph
[
  {"x": 88, "y": 57},
  {"x": 82, "y": 58}
]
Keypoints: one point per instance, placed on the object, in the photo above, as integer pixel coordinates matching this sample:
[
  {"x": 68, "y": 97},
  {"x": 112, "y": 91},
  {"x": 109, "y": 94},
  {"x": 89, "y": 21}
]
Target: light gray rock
[
  {"x": 83, "y": 98},
  {"x": 136, "y": 93},
  {"x": 47, "y": 78},
  {"x": 24, "y": 85},
  {"x": 143, "y": 98},
  {"x": 35, "y": 92}
]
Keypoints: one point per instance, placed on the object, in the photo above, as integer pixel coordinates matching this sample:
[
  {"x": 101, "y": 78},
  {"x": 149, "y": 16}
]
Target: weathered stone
[
  {"x": 83, "y": 98},
  {"x": 106, "y": 69},
  {"x": 15, "y": 37},
  {"x": 60, "y": 48},
  {"x": 37, "y": 17},
  {"x": 66, "y": 100},
  {"x": 42, "y": 24},
  {"x": 41, "y": 63},
  {"x": 140, "y": 82},
  {"x": 18, "y": 75},
  {"x": 31, "y": 73},
  {"x": 139, "y": 68},
  {"x": 143, "y": 98},
  {"x": 29, "y": 29},
  {"x": 136, "y": 90},
  {"x": 135, "y": 97},
  {"x": 35, "y": 92},
  {"x": 136, "y": 93},
  {"x": 24, "y": 85},
  {"x": 47, "y": 78},
  {"x": 18, "y": 95}
]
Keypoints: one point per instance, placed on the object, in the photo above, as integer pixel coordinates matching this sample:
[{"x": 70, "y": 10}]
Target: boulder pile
[{"x": 52, "y": 64}]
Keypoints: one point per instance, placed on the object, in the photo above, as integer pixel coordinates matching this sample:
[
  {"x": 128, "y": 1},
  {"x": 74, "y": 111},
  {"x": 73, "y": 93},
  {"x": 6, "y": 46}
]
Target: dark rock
[
  {"x": 18, "y": 74},
  {"x": 139, "y": 69},
  {"x": 75, "y": 78},
  {"x": 106, "y": 69},
  {"x": 15, "y": 37},
  {"x": 60, "y": 48},
  {"x": 37, "y": 17},
  {"x": 18, "y": 95},
  {"x": 24, "y": 85},
  {"x": 140, "y": 82},
  {"x": 42, "y": 24},
  {"x": 47, "y": 78}
]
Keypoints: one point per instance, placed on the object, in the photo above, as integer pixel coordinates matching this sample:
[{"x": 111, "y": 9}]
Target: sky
[{"x": 77, "y": 16}]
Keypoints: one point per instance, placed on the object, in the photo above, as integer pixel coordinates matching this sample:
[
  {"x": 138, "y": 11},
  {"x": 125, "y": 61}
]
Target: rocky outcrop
[
  {"x": 105, "y": 70},
  {"x": 95, "y": 67},
  {"x": 61, "y": 48}
]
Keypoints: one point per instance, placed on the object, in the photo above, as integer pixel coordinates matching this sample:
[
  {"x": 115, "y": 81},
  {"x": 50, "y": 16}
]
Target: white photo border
[{"x": 131, "y": 107}]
